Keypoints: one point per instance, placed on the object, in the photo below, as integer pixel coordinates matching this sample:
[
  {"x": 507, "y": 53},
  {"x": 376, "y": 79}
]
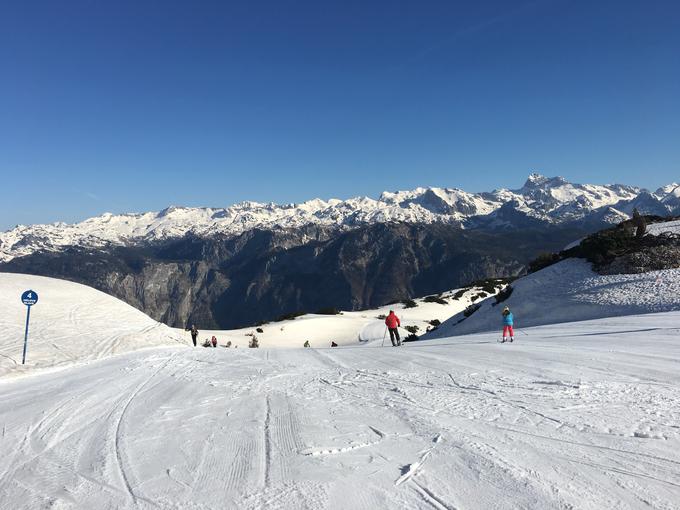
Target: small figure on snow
[
  {"x": 306, "y": 344},
  {"x": 508, "y": 321},
  {"x": 194, "y": 333},
  {"x": 333, "y": 344},
  {"x": 392, "y": 322},
  {"x": 213, "y": 341},
  {"x": 206, "y": 343}
]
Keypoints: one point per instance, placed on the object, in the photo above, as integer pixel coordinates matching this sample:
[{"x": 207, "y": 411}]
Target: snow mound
[
  {"x": 71, "y": 323},
  {"x": 571, "y": 291}
]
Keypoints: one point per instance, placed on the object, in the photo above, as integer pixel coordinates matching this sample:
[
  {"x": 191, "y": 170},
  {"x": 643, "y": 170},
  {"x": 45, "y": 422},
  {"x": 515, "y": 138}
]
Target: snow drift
[{"x": 71, "y": 323}]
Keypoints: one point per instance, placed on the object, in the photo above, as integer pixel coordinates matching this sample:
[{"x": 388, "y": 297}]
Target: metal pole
[
  {"x": 385, "y": 333},
  {"x": 28, "y": 316}
]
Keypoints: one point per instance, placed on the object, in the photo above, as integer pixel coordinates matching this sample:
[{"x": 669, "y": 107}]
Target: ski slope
[
  {"x": 347, "y": 328},
  {"x": 581, "y": 415},
  {"x": 71, "y": 323},
  {"x": 571, "y": 291}
]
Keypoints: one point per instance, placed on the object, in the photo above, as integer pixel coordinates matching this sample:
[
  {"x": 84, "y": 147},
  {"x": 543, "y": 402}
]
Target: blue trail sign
[{"x": 29, "y": 298}]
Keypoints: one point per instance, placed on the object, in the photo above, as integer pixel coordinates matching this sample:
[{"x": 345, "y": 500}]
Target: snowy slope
[
  {"x": 553, "y": 200},
  {"x": 571, "y": 291},
  {"x": 671, "y": 227},
  {"x": 349, "y": 328},
  {"x": 582, "y": 415},
  {"x": 71, "y": 323}
]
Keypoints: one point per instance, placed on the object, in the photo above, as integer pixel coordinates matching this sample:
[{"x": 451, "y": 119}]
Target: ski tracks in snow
[
  {"x": 119, "y": 434},
  {"x": 344, "y": 428}
]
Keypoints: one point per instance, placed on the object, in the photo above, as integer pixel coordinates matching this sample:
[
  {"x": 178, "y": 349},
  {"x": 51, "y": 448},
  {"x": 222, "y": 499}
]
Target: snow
[
  {"x": 572, "y": 415},
  {"x": 348, "y": 328},
  {"x": 580, "y": 415},
  {"x": 548, "y": 199},
  {"x": 672, "y": 227},
  {"x": 571, "y": 291},
  {"x": 71, "y": 323}
]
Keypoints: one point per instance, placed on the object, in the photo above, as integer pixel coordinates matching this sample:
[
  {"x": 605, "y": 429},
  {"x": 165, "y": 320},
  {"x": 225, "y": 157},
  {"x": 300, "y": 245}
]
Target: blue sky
[{"x": 136, "y": 105}]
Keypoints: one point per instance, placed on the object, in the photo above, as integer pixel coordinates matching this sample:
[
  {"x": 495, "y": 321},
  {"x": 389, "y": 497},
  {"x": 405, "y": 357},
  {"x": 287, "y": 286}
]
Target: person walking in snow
[
  {"x": 194, "y": 333},
  {"x": 508, "y": 321},
  {"x": 640, "y": 224},
  {"x": 213, "y": 340},
  {"x": 392, "y": 322}
]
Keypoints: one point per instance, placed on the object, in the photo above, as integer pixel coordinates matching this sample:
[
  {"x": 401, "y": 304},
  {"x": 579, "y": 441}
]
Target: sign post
[{"x": 29, "y": 298}]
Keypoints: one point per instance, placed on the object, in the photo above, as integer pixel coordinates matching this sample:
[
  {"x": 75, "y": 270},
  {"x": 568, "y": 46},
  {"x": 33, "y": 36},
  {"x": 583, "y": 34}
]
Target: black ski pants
[
  {"x": 394, "y": 332},
  {"x": 193, "y": 337}
]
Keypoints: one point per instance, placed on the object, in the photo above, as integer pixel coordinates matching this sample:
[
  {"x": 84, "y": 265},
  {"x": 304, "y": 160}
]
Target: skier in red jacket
[{"x": 392, "y": 322}]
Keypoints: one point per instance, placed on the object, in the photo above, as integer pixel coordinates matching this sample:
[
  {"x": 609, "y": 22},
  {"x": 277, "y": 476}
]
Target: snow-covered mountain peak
[
  {"x": 672, "y": 188},
  {"x": 552, "y": 200},
  {"x": 536, "y": 180}
]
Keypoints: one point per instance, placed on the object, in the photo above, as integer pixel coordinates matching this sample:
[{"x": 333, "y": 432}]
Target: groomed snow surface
[
  {"x": 581, "y": 415},
  {"x": 71, "y": 323},
  {"x": 575, "y": 415}
]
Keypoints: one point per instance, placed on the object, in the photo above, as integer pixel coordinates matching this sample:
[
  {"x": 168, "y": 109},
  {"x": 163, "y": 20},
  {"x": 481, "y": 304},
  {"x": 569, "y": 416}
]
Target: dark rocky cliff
[{"x": 259, "y": 275}]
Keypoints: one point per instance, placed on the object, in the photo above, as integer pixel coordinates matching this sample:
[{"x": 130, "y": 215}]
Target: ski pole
[{"x": 384, "y": 334}]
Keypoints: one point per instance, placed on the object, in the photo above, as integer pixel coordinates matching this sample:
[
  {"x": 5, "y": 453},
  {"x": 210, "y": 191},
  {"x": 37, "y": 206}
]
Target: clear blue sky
[{"x": 136, "y": 105}]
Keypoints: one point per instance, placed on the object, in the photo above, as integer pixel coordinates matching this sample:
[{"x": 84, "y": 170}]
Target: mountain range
[{"x": 229, "y": 267}]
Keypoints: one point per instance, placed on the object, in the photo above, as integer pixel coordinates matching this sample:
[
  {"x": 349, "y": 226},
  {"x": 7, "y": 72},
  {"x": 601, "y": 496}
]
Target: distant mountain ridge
[{"x": 542, "y": 200}]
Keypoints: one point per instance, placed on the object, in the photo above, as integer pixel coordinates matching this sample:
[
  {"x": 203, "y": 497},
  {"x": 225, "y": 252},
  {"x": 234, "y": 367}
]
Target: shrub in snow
[
  {"x": 543, "y": 260},
  {"x": 409, "y": 303},
  {"x": 504, "y": 294},
  {"x": 653, "y": 258},
  {"x": 411, "y": 338},
  {"x": 460, "y": 293},
  {"x": 490, "y": 285},
  {"x": 260, "y": 330},
  {"x": 411, "y": 329},
  {"x": 289, "y": 316},
  {"x": 253, "y": 344},
  {"x": 471, "y": 309},
  {"x": 327, "y": 311},
  {"x": 435, "y": 322},
  {"x": 435, "y": 299}
]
